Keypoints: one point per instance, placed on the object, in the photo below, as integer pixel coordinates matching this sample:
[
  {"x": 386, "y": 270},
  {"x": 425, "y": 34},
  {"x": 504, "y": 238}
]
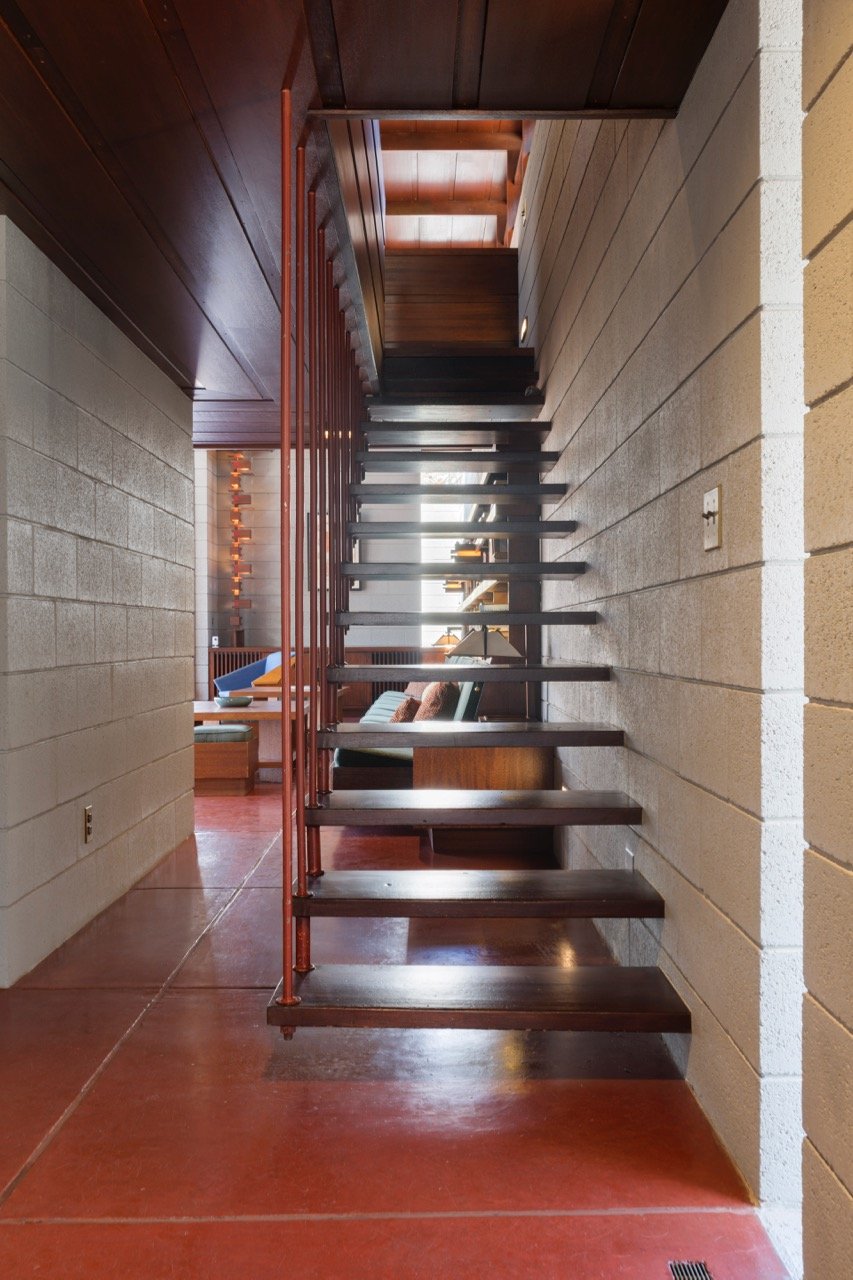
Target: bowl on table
[{"x": 226, "y": 700}]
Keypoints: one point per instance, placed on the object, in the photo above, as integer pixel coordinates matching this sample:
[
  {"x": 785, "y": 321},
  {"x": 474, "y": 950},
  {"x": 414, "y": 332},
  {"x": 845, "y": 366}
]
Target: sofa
[{"x": 378, "y": 768}]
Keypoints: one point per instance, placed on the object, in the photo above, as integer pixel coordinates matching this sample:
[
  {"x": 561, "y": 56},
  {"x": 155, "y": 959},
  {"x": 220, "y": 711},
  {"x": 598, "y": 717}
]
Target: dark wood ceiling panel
[
  {"x": 541, "y": 55},
  {"x": 165, "y": 170},
  {"x": 50, "y": 167},
  {"x": 397, "y": 52},
  {"x": 667, "y": 43}
]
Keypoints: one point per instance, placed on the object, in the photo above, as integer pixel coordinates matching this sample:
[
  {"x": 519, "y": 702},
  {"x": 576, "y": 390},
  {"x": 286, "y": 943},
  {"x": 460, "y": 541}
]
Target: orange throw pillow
[
  {"x": 405, "y": 712},
  {"x": 439, "y": 702}
]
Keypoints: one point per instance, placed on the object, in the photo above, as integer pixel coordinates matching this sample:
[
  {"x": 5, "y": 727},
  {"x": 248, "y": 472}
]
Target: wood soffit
[{"x": 139, "y": 143}]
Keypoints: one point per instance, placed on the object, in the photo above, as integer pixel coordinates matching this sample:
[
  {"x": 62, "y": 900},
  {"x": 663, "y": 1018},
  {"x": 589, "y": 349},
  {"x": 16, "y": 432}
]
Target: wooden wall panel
[
  {"x": 355, "y": 147},
  {"x": 438, "y": 297}
]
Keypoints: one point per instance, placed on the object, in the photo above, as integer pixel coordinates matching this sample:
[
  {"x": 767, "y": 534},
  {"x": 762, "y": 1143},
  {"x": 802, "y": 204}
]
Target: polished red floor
[{"x": 153, "y": 1126}]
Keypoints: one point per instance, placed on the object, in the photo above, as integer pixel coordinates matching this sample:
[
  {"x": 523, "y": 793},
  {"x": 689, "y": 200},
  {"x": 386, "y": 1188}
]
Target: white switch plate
[{"x": 712, "y": 519}]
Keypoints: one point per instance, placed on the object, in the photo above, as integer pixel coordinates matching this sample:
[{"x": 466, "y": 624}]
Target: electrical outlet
[
  {"x": 712, "y": 518},
  {"x": 88, "y": 825}
]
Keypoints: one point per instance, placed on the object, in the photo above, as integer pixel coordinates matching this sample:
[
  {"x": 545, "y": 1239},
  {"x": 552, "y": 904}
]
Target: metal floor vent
[{"x": 689, "y": 1271}]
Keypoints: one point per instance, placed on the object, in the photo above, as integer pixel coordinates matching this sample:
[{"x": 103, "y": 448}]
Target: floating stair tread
[
  {"x": 479, "y": 894},
  {"x": 470, "y": 434},
  {"x": 492, "y": 673},
  {"x": 457, "y": 493},
  {"x": 465, "y": 808},
  {"x": 462, "y": 529},
  {"x": 461, "y": 733},
  {"x": 456, "y": 406},
  {"x": 450, "y": 460},
  {"x": 588, "y": 998},
  {"x": 493, "y": 617},
  {"x": 473, "y": 572}
]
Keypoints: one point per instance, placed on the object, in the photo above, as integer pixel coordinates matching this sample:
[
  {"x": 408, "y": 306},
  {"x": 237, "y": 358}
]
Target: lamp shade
[{"x": 484, "y": 643}]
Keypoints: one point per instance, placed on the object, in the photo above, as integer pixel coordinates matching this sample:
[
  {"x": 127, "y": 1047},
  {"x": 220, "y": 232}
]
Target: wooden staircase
[{"x": 455, "y": 411}]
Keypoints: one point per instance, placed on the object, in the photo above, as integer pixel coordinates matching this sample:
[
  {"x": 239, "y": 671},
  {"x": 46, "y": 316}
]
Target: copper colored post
[
  {"x": 303, "y": 924},
  {"x": 314, "y": 602},
  {"x": 287, "y": 996}
]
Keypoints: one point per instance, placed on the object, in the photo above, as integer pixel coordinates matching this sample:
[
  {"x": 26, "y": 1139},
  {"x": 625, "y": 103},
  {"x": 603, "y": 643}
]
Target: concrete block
[
  {"x": 94, "y": 571},
  {"x": 75, "y": 633},
  {"x": 31, "y": 485},
  {"x": 127, "y": 576},
  {"x": 730, "y": 400},
  {"x": 18, "y": 561},
  {"x": 111, "y": 515},
  {"x": 729, "y": 867},
  {"x": 781, "y": 375},
  {"x": 827, "y": 41},
  {"x": 30, "y": 634},
  {"x": 828, "y": 317},
  {"x": 829, "y": 626},
  {"x": 781, "y": 1140},
  {"x": 140, "y": 526},
  {"x": 828, "y": 1088},
  {"x": 28, "y": 782},
  {"x": 828, "y": 161},
  {"x": 828, "y": 932},
  {"x": 94, "y": 696},
  {"x": 781, "y": 463},
  {"x": 781, "y": 737},
  {"x": 55, "y": 427},
  {"x": 73, "y": 502},
  {"x": 828, "y": 755},
  {"x": 827, "y": 1218},
  {"x": 731, "y": 613},
  {"x": 781, "y": 883},
  {"x": 54, "y": 564},
  {"x": 781, "y": 111},
  {"x": 829, "y": 472},
  {"x": 781, "y": 1015},
  {"x": 110, "y": 633}
]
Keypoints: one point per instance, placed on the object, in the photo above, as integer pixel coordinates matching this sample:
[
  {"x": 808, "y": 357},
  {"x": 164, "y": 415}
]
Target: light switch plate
[{"x": 712, "y": 519}]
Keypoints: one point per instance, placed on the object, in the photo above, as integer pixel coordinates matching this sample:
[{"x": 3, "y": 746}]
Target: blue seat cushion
[{"x": 228, "y": 732}]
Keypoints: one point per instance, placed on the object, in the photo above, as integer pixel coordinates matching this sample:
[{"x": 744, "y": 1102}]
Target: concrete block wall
[
  {"x": 828, "y": 1009},
  {"x": 96, "y": 609},
  {"x": 661, "y": 278}
]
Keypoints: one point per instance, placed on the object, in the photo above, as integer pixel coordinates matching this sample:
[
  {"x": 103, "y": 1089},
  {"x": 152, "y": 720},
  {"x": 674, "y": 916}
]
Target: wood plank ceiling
[{"x": 139, "y": 142}]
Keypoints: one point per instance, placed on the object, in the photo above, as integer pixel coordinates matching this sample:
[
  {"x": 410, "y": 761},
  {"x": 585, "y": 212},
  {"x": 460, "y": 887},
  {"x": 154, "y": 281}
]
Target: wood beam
[
  {"x": 436, "y": 140},
  {"x": 620, "y": 28},
  {"x": 468, "y": 57},
  {"x": 492, "y": 113},
  {"x": 445, "y": 208},
  {"x": 323, "y": 38}
]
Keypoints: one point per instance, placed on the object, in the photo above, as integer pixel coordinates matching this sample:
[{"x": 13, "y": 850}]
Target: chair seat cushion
[{"x": 222, "y": 732}]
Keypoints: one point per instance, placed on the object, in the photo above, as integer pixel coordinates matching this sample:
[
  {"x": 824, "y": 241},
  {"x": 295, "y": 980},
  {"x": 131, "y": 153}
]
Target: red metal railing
[{"x": 320, "y": 387}]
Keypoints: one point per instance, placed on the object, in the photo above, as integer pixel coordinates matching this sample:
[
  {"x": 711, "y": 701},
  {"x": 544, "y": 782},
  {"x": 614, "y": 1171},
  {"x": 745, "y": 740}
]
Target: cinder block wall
[
  {"x": 96, "y": 609},
  {"x": 661, "y": 276},
  {"x": 828, "y": 1008}
]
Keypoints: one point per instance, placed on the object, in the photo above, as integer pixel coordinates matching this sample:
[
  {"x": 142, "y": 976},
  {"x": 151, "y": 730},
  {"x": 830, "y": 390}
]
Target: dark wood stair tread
[
  {"x": 519, "y": 528},
  {"x": 590, "y": 998},
  {"x": 493, "y": 673},
  {"x": 457, "y": 493},
  {"x": 456, "y": 406},
  {"x": 480, "y": 894},
  {"x": 450, "y": 460},
  {"x": 390, "y": 571},
  {"x": 468, "y": 808},
  {"x": 491, "y": 733},
  {"x": 474, "y": 435},
  {"x": 490, "y": 617}
]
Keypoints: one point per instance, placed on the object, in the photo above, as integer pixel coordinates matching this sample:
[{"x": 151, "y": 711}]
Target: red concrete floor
[{"x": 153, "y": 1126}]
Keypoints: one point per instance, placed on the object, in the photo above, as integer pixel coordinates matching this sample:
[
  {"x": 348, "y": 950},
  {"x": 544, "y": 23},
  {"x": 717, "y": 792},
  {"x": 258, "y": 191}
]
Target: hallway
[{"x": 155, "y": 1126}]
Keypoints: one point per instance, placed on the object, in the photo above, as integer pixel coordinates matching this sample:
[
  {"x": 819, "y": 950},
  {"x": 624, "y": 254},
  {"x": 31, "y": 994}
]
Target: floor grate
[{"x": 689, "y": 1271}]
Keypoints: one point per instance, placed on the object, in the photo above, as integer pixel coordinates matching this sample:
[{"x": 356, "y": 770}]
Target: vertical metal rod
[
  {"x": 323, "y": 431},
  {"x": 287, "y": 996},
  {"x": 331, "y": 705},
  {"x": 314, "y": 602},
  {"x": 303, "y": 924}
]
